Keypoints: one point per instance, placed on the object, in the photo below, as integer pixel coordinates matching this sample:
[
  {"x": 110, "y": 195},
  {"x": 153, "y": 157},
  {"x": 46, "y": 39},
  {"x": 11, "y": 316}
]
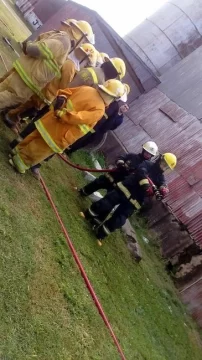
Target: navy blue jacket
[
  {"x": 132, "y": 161},
  {"x": 137, "y": 183}
]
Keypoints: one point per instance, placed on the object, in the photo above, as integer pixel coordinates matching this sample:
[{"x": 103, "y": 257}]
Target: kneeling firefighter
[
  {"x": 125, "y": 165},
  {"x": 76, "y": 111},
  {"x": 130, "y": 195}
]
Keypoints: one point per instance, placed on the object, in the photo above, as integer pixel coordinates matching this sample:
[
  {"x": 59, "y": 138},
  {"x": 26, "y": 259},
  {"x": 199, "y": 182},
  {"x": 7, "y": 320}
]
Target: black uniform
[
  {"x": 126, "y": 165},
  {"x": 129, "y": 195}
]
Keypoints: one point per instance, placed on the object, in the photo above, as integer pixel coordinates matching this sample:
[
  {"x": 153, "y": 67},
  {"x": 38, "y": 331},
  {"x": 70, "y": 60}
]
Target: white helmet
[{"x": 151, "y": 148}]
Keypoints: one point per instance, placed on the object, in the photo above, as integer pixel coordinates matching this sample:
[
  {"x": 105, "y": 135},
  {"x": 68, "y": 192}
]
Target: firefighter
[
  {"x": 41, "y": 62},
  {"x": 130, "y": 194},
  {"x": 111, "y": 120},
  {"x": 105, "y": 124},
  {"x": 87, "y": 76},
  {"x": 114, "y": 68},
  {"x": 76, "y": 111},
  {"x": 91, "y": 76},
  {"x": 125, "y": 165},
  {"x": 85, "y": 53}
]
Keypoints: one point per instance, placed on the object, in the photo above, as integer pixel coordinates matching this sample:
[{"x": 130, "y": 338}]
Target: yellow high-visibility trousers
[{"x": 32, "y": 150}]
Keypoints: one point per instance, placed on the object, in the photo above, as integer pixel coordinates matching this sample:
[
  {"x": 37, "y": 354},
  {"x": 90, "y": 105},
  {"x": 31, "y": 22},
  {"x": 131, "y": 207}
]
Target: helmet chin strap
[
  {"x": 78, "y": 42},
  {"x": 84, "y": 58}
]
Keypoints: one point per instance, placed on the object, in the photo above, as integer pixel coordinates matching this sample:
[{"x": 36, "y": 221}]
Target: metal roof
[{"x": 155, "y": 116}]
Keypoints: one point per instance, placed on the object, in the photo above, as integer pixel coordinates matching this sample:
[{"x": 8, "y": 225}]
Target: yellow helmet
[
  {"x": 113, "y": 87},
  {"x": 119, "y": 66},
  {"x": 83, "y": 26},
  {"x": 104, "y": 56},
  {"x": 88, "y": 49},
  {"x": 170, "y": 160}
]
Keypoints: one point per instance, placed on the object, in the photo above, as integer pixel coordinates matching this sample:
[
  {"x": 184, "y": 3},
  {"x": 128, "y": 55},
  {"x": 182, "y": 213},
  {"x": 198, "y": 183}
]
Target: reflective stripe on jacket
[
  {"x": 40, "y": 69},
  {"x": 88, "y": 76},
  {"x": 109, "y": 177},
  {"x": 128, "y": 195},
  {"x": 144, "y": 182},
  {"x": 27, "y": 80},
  {"x": 49, "y": 59},
  {"x": 68, "y": 108},
  {"x": 94, "y": 75}
]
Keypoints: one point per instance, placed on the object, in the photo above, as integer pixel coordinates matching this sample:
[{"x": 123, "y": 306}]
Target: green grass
[
  {"x": 45, "y": 309},
  {"x": 12, "y": 27}
]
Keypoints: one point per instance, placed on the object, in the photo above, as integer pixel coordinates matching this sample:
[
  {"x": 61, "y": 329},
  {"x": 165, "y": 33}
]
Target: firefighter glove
[
  {"x": 149, "y": 191},
  {"x": 59, "y": 102},
  {"x": 163, "y": 191}
]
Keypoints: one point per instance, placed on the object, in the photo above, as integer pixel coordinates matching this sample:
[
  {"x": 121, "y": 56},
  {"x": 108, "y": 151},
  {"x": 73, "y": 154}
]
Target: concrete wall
[{"x": 169, "y": 35}]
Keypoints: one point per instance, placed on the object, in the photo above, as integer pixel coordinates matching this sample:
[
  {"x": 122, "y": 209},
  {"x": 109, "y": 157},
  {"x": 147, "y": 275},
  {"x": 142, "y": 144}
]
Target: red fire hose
[
  {"x": 84, "y": 168},
  {"x": 82, "y": 271}
]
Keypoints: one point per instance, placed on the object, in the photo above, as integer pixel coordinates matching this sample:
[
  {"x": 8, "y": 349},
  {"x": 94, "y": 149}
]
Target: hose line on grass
[{"x": 82, "y": 271}]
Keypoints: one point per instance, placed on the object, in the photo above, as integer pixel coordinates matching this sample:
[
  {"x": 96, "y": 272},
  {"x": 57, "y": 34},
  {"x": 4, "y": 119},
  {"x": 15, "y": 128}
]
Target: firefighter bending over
[
  {"x": 125, "y": 165},
  {"x": 130, "y": 195}
]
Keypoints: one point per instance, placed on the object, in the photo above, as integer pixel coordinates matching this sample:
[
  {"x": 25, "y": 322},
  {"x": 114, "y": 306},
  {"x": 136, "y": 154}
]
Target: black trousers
[
  {"x": 102, "y": 182},
  {"x": 80, "y": 143},
  {"x": 103, "y": 208}
]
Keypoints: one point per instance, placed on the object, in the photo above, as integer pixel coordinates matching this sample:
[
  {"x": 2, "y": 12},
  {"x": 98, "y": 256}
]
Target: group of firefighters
[{"x": 71, "y": 92}]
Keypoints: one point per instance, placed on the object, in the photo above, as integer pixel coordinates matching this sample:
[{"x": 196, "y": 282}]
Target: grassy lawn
[
  {"x": 45, "y": 309},
  {"x": 15, "y": 30}
]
